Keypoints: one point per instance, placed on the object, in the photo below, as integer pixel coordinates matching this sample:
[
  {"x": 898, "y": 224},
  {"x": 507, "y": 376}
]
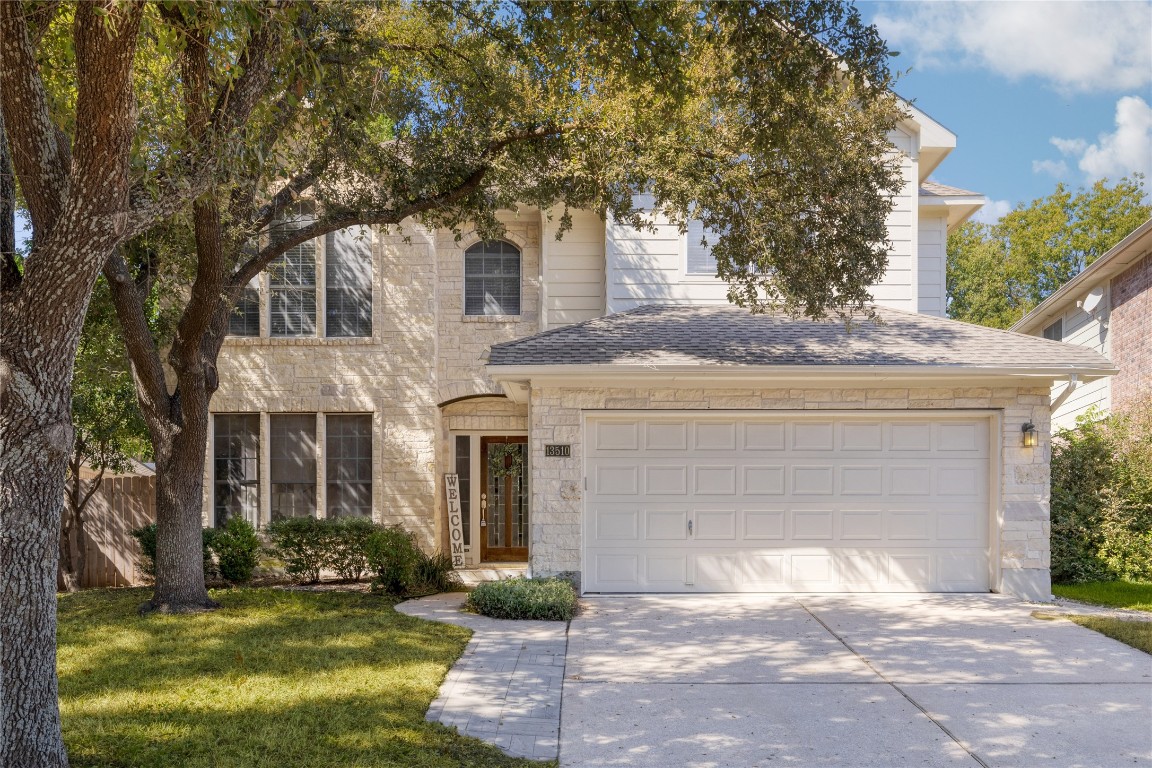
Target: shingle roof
[
  {"x": 936, "y": 189},
  {"x": 680, "y": 335}
]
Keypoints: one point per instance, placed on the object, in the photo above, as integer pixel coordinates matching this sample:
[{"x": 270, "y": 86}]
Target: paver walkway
[{"x": 506, "y": 687}]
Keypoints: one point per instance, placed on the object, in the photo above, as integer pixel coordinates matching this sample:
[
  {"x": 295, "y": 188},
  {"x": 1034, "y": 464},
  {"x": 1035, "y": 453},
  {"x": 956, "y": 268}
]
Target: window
[
  {"x": 236, "y": 463},
  {"x": 464, "y": 473},
  {"x": 295, "y": 283},
  {"x": 699, "y": 259},
  {"x": 348, "y": 283},
  {"x": 348, "y": 441},
  {"x": 245, "y": 317},
  {"x": 292, "y": 288},
  {"x": 1055, "y": 332},
  {"x": 292, "y": 468},
  {"x": 492, "y": 279}
]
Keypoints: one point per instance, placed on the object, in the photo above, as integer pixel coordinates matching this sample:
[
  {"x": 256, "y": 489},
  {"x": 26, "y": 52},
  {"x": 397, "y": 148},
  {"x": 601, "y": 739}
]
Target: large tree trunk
[
  {"x": 37, "y": 435},
  {"x": 180, "y": 586}
]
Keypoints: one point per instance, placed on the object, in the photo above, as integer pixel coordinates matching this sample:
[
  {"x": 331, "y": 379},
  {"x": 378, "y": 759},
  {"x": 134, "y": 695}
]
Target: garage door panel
[
  {"x": 715, "y": 436},
  {"x": 876, "y": 511},
  {"x": 617, "y": 524},
  {"x": 714, "y": 480},
  {"x": 813, "y": 436},
  {"x": 617, "y": 480},
  {"x": 616, "y": 436},
  {"x": 764, "y": 524},
  {"x": 813, "y": 480},
  {"x": 764, "y": 436},
  {"x": 665, "y": 524},
  {"x": 715, "y": 524},
  {"x": 670, "y": 480}
]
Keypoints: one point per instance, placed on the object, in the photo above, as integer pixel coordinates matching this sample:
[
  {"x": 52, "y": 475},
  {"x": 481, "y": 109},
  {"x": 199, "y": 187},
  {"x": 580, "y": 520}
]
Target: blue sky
[{"x": 1037, "y": 92}]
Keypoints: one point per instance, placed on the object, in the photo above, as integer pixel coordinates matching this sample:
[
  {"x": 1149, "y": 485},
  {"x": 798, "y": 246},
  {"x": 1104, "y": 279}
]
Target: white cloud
[
  {"x": 1075, "y": 46},
  {"x": 992, "y": 211},
  {"x": 1057, "y": 169},
  {"x": 1125, "y": 151}
]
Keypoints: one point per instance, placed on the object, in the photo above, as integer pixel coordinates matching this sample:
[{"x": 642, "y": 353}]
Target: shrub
[
  {"x": 303, "y": 544},
  {"x": 146, "y": 537},
  {"x": 1102, "y": 498},
  {"x": 433, "y": 573},
  {"x": 347, "y": 536},
  {"x": 546, "y": 599},
  {"x": 237, "y": 550},
  {"x": 393, "y": 556}
]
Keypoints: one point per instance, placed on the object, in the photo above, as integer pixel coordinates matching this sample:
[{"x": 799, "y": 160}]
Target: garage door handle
[{"x": 689, "y": 527}]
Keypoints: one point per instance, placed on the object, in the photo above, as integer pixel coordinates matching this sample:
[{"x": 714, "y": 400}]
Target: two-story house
[{"x": 610, "y": 417}]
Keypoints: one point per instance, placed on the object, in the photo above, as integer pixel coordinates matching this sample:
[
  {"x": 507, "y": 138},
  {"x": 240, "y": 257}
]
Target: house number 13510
[{"x": 562, "y": 451}]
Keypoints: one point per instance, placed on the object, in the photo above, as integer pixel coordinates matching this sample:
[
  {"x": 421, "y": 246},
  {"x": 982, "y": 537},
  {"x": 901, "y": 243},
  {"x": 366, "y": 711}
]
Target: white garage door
[{"x": 763, "y": 503}]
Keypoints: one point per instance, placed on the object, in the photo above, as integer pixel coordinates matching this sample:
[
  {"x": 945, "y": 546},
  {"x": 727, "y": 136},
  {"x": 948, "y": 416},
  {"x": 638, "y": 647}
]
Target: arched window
[{"x": 492, "y": 279}]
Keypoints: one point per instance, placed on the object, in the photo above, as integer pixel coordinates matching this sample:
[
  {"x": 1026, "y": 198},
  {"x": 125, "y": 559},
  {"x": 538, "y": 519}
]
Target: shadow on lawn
[{"x": 274, "y": 678}]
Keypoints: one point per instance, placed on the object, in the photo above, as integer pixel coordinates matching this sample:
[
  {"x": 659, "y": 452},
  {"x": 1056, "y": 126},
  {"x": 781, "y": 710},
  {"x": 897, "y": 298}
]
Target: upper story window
[
  {"x": 348, "y": 283},
  {"x": 1055, "y": 332},
  {"x": 492, "y": 279},
  {"x": 699, "y": 260},
  {"x": 292, "y": 291},
  {"x": 331, "y": 275}
]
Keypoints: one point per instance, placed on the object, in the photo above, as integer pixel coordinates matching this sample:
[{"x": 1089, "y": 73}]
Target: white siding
[
  {"x": 1084, "y": 330},
  {"x": 573, "y": 271},
  {"x": 898, "y": 288},
  {"x": 933, "y": 259},
  {"x": 648, "y": 268}
]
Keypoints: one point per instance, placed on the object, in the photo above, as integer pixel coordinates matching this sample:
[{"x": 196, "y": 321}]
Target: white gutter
[{"x": 510, "y": 372}]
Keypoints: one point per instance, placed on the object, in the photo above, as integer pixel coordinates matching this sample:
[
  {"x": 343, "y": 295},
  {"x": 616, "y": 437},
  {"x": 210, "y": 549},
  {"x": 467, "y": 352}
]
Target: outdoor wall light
[{"x": 1030, "y": 437}]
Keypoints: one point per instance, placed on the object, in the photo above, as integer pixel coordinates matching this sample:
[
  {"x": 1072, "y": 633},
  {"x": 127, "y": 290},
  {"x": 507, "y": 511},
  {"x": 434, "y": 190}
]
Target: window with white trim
[
  {"x": 1055, "y": 332},
  {"x": 348, "y": 283},
  {"x": 699, "y": 261},
  {"x": 492, "y": 279}
]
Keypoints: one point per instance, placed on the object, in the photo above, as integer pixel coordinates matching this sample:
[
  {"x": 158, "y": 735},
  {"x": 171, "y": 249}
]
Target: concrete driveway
[{"x": 852, "y": 680}]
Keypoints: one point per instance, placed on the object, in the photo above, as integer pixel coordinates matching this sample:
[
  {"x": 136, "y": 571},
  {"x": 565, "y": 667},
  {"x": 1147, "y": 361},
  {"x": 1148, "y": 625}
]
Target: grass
[
  {"x": 274, "y": 678},
  {"x": 1137, "y": 634},
  {"x": 1115, "y": 594}
]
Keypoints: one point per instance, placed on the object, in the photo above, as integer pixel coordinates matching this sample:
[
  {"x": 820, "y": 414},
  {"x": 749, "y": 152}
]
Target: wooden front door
[{"x": 504, "y": 499}]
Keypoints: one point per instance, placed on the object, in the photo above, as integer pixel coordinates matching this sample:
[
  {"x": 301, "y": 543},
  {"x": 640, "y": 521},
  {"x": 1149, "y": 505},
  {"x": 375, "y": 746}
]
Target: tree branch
[
  {"x": 35, "y": 148},
  {"x": 147, "y": 369}
]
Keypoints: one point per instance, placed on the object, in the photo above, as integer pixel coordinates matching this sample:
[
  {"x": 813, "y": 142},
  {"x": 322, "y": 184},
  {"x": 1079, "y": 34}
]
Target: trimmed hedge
[
  {"x": 230, "y": 553},
  {"x": 521, "y": 598},
  {"x": 354, "y": 546},
  {"x": 1102, "y": 498}
]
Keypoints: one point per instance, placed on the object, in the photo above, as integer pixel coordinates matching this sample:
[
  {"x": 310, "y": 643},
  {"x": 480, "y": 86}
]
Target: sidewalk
[{"x": 505, "y": 689}]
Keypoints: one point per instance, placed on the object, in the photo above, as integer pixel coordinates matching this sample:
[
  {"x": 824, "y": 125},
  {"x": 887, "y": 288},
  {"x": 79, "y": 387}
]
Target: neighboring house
[
  {"x": 1106, "y": 308},
  {"x": 647, "y": 447}
]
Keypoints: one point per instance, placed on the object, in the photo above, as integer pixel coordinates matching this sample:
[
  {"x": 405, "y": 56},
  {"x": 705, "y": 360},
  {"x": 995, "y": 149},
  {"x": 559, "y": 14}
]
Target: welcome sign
[{"x": 455, "y": 520}]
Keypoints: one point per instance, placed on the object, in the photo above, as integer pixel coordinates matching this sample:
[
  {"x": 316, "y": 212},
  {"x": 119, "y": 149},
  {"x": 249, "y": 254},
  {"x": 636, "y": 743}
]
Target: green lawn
[
  {"x": 274, "y": 678},
  {"x": 1117, "y": 594},
  {"x": 1137, "y": 634}
]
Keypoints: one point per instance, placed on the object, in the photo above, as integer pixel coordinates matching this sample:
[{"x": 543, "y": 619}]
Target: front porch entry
[{"x": 493, "y": 474}]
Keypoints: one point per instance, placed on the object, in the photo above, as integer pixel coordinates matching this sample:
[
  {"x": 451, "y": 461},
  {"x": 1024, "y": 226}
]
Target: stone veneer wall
[
  {"x": 557, "y": 486},
  {"x": 423, "y": 351},
  {"x": 1131, "y": 329}
]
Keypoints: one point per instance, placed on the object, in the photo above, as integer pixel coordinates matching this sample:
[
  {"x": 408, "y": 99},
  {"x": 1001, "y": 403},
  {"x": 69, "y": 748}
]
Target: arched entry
[{"x": 487, "y": 442}]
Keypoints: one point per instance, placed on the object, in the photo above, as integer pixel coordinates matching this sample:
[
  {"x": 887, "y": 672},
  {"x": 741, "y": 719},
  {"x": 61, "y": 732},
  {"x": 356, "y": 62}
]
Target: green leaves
[{"x": 998, "y": 273}]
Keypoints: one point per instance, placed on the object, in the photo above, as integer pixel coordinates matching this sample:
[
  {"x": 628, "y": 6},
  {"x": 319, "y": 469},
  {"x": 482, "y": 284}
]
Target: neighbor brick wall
[
  {"x": 557, "y": 486},
  {"x": 1131, "y": 330}
]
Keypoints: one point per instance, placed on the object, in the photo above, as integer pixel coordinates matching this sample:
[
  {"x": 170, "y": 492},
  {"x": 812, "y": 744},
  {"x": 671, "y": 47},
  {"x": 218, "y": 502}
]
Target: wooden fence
[{"x": 123, "y": 503}]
